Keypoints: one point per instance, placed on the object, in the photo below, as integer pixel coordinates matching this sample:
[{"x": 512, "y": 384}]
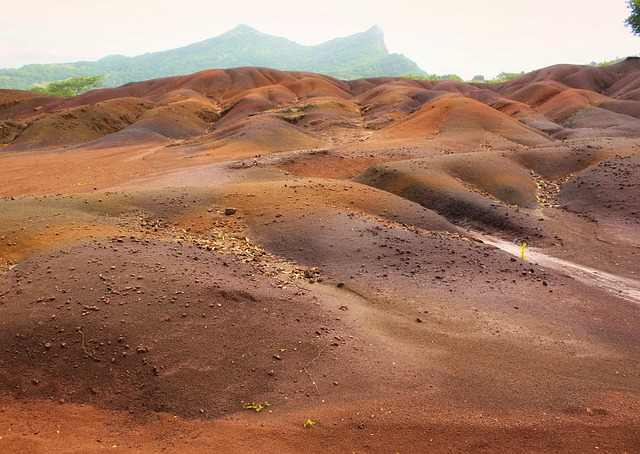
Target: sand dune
[{"x": 462, "y": 121}]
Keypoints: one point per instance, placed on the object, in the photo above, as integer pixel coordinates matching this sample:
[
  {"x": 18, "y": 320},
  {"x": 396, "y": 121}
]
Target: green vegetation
[
  {"x": 505, "y": 77},
  {"x": 606, "y": 63},
  {"x": 610, "y": 62},
  {"x": 502, "y": 77},
  {"x": 257, "y": 406},
  {"x": 357, "y": 56},
  {"x": 71, "y": 87},
  {"x": 633, "y": 21},
  {"x": 433, "y": 77},
  {"x": 603, "y": 64}
]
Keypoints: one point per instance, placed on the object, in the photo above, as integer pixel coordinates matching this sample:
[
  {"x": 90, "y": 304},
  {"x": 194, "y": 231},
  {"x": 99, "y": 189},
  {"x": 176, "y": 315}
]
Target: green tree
[
  {"x": 451, "y": 77},
  {"x": 39, "y": 89},
  {"x": 73, "y": 86},
  {"x": 633, "y": 21},
  {"x": 478, "y": 78},
  {"x": 433, "y": 77},
  {"x": 506, "y": 77}
]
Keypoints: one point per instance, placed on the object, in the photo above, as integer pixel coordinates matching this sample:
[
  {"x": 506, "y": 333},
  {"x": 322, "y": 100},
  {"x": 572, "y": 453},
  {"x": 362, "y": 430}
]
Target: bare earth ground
[{"x": 344, "y": 257}]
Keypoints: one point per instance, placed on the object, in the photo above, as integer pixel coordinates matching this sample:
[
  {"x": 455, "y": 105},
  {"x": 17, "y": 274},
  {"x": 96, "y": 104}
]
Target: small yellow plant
[
  {"x": 257, "y": 406},
  {"x": 308, "y": 423},
  {"x": 522, "y": 256}
]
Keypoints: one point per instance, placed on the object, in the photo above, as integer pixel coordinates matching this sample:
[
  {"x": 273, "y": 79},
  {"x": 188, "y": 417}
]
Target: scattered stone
[
  {"x": 311, "y": 273},
  {"x": 229, "y": 211}
]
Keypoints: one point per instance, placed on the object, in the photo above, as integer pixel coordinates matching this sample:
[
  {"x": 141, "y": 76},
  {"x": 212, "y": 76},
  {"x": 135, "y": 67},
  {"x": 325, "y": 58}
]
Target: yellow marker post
[{"x": 522, "y": 256}]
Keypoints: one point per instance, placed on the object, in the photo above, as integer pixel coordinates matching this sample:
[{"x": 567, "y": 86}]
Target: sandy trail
[{"x": 628, "y": 289}]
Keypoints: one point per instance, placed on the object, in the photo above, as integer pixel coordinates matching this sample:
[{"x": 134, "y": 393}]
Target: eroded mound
[
  {"x": 135, "y": 324},
  {"x": 464, "y": 192},
  {"x": 458, "y": 120},
  {"x": 608, "y": 191},
  {"x": 327, "y": 111}
]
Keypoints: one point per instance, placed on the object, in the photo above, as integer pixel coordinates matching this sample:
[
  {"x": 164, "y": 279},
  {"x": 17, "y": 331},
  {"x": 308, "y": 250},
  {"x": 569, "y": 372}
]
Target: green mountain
[{"x": 361, "y": 55}]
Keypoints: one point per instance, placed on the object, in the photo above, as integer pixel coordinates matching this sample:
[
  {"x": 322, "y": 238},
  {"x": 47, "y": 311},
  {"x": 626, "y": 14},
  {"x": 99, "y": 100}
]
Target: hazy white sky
[{"x": 464, "y": 37}]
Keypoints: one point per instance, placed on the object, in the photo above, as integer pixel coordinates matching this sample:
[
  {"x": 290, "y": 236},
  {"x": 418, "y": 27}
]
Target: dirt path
[{"x": 628, "y": 289}]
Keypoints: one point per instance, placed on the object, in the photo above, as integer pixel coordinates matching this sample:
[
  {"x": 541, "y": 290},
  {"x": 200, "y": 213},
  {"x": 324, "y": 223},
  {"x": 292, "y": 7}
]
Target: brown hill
[
  {"x": 461, "y": 121},
  {"x": 597, "y": 79}
]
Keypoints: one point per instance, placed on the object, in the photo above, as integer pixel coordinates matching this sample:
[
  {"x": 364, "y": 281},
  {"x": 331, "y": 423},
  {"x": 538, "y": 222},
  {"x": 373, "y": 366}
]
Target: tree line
[{"x": 70, "y": 87}]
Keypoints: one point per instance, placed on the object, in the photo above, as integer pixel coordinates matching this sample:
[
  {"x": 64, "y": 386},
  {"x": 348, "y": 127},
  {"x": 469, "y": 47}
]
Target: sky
[{"x": 463, "y": 37}]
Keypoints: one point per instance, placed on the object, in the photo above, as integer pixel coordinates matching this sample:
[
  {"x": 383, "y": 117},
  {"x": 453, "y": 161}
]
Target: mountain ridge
[{"x": 356, "y": 56}]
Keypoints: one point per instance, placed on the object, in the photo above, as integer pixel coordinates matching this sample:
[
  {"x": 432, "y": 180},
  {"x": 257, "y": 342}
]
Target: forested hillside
[{"x": 361, "y": 55}]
